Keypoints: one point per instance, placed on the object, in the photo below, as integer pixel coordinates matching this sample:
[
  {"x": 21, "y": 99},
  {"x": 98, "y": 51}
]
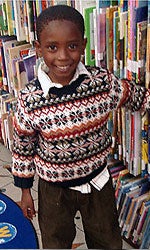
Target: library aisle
[{"x": 7, "y": 187}]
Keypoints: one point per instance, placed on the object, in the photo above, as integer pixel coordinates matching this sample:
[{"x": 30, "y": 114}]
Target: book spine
[
  {"x": 131, "y": 6},
  {"x": 137, "y": 144},
  {"x": 116, "y": 44},
  {"x": 19, "y": 17},
  {"x": 144, "y": 147},
  {"x": 9, "y": 17},
  {"x": 89, "y": 52},
  {"x": 148, "y": 143},
  {"x": 101, "y": 36},
  {"x": 123, "y": 19}
]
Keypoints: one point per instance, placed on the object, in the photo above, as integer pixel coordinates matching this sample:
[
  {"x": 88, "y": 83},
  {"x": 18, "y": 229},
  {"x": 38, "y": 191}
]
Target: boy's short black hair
[{"x": 59, "y": 12}]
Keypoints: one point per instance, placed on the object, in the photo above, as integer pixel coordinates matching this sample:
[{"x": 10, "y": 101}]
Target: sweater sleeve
[
  {"x": 139, "y": 97},
  {"x": 24, "y": 144},
  {"x": 23, "y": 182},
  {"x": 132, "y": 96}
]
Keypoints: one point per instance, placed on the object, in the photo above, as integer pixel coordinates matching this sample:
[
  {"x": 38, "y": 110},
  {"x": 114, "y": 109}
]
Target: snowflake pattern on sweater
[{"x": 64, "y": 136}]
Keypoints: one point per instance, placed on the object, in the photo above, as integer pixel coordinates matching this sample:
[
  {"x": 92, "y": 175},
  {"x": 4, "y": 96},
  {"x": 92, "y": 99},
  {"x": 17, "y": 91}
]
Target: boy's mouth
[{"x": 63, "y": 68}]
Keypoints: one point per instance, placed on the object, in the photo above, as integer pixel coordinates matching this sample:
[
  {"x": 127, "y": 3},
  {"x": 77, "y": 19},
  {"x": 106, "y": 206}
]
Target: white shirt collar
[{"x": 46, "y": 82}]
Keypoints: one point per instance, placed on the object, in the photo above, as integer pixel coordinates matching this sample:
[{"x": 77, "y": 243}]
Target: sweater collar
[{"x": 46, "y": 82}]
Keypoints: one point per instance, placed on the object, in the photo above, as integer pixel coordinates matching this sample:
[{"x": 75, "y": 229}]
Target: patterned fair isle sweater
[{"x": 64, "y": 136}]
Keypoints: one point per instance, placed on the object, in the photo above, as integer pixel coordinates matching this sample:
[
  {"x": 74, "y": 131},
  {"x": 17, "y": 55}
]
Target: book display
[{"x": 118, "y": 38}]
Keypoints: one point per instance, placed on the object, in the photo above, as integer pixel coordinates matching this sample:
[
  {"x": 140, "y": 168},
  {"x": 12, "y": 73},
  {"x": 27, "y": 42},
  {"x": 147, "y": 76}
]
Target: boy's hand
[{"x": 27, "y": 204}]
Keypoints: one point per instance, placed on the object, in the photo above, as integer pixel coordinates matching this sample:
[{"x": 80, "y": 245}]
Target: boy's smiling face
[{"x": 61, "y": 45}]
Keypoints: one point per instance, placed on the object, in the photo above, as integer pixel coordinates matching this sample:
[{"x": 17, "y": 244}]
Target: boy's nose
[{"x": 63, "y": 54}]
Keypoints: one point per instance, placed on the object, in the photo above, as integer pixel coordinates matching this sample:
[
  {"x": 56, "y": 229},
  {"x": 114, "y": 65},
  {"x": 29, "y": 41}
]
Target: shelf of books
[{"x": 118, "y": 35}]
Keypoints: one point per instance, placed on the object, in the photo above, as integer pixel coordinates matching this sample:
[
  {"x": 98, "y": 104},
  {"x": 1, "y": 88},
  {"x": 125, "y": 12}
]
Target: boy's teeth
[{"x": 63, "y": 67}]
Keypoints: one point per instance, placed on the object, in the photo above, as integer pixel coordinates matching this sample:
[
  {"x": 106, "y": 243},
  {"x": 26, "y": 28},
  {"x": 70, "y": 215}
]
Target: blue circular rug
[{"x": 16, "y": 231}]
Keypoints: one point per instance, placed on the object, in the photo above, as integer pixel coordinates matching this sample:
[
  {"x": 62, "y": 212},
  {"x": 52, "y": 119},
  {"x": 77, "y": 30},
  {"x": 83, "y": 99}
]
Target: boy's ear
[
  {"x": 38, "y": 48},
  {"x": 84, "y": 45}
]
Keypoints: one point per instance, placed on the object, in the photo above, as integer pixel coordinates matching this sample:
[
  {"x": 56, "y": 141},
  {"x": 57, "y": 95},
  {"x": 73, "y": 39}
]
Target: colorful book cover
[
  {"x": 125, "y": 48},
  {"x": 101, "y": 38},
  {"x": 142, "y": 3},
  {"x": 30, "y": 64},
  {"x": 143, "y": 213},
  {"x": 9, "y": 17},
  {"x": 130, "y": 194},
  {"x": 137, "y": 205},
  {"x": 109, "y": 36},
  {"x": 145, "y": 236},
  {"x": 13, "y": 18},
  {"x": 114, "y": 147},
  {"x": 77, "y": 5},
  {"x": 119, "y": 134},
  {"x": 135, "y": 15},
  {"x": 122, "y": 5},
  {"x": 148, "y": 143},
  {"x": 85, "y": 4},
  {"x": 123, "y": 19},
  {"x": 123, "y": 134},
  {"x": 14, "y": 55},
  {"x": 95, "y": 24},
  {"x": 141, "y": 52},
  {"x": 113, "y": 2},
  {"x": 147, "y": 81},
  {"x": 137, "y": 143},
  {"x": 116, "y": 43},
  {"x": 16, "y": 52},
  {"x": 13, "y": 78},
  {"x": 25, "y": 21},
  {"x": 132, "y": 143},
  {"x": 24, "y": 52},
  {"x": 30, "y": 20},
  {"x": 38, "y": 7},
  {"x": 102, "y": 4},
  {"x": 131, "y": 17},
  {"x": 127, "y": 134},
  {"x": 144, "y": 144},
  {"x": 3, "y": 21},
  {"x": 116, "y": 168},
  {"x": 21, "y": 74},
  {"x": 127, "y": 184},
  {"x": 89, "y": 33},
  {"x": 3, "y": 82},
  {"x": 19, "y": 19},
  {"x": 4, "y": 129},
  {"x": 140, "y": 14},
  {"x": 5, "y": 43},
  {"x": 122, "y": 173},
  {"x": 128, "y": 217},
  {"x": 145, "y": 188},
  {"x": 10, "y": 130},
  {"x": 44, "y": 4},
  {"x": 125, "y": 206}
]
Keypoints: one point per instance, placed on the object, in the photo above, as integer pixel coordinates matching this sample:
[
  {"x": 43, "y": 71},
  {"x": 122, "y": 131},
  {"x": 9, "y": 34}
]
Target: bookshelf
[{"x": 118, "y": 35}]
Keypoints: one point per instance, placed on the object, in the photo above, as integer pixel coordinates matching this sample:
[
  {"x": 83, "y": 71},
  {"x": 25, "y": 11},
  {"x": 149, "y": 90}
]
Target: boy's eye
[
  {"x": 72, "y": 46},
  {"x": 52, "y": 47}
]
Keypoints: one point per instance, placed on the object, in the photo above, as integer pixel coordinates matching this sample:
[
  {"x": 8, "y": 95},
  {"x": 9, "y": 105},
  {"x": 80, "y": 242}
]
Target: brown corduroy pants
[{"x": 58, "y": 207}]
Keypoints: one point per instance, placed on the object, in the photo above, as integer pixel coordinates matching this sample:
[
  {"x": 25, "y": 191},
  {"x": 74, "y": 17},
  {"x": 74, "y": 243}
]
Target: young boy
[{"x": 60, "y": 132}]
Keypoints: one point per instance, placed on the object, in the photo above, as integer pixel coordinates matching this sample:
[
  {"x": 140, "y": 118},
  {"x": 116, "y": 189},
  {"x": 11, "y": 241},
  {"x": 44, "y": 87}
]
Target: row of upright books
[
  {"x": 133, "y": 204},
  {"x": 118, "y": 38},
  {"x": 18, "y": 62},
  {"x": 131, "y": 140},
  {"x": 117, "y": 31}
]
